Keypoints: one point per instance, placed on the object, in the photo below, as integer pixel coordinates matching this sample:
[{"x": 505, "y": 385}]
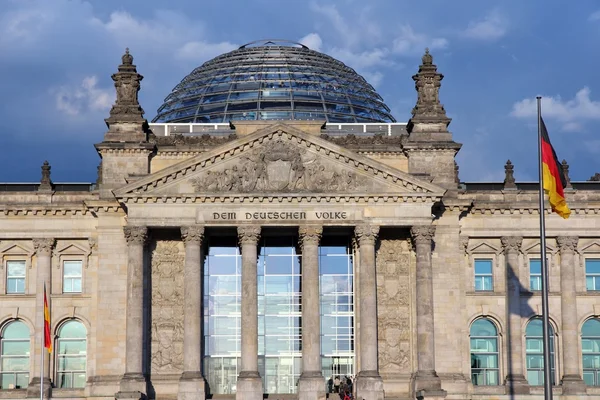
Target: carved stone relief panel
[
  {"x": 393, "y": 305},
  {"x": 280, "y": 166},
  {"x": 167, "y": 306}
]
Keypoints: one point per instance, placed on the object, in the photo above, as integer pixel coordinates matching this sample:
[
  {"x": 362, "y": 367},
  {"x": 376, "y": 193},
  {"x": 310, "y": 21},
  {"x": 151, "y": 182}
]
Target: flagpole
[
  {"x": 43, "y": 347},
  {"x": 545, "y": 319}
]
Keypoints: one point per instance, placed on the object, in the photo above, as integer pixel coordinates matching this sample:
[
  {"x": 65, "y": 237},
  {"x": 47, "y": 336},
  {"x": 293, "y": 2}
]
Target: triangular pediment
[
  {"x": 279, "y": 160},
  {"x": 483, "y": 248},
  {"x": 15, "y": 249}
]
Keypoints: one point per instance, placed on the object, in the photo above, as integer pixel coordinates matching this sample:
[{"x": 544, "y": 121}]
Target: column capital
[
  {"x": 567, "y": 244},
  {"x": 136, "y": 234},
  {"x": 511, "y": 243},
  {"x": 422, "y": 234},
  {"x": 44, "y": 246},
  {"x": 192, "y": 234},
  {"x": 248, "y": 234},
  {"x": 310, "y": 234},
  {"x": 366, "y": 234}
]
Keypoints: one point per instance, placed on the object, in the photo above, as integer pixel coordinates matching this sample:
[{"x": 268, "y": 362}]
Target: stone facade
[{"x": 139, "y": 235}]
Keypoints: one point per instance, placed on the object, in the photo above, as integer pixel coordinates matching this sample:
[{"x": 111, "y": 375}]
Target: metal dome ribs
[{"x": 273, "y": 80}]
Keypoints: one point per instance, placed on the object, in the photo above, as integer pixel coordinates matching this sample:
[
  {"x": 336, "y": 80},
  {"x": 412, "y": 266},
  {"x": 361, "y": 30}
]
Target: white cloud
[
  {"x": 363, "y": 60},
  {"x": 595, "y": 16},
  {"x": 570, "y": 113},
  {"x": 202, "y": 50},
  {"x": 313, "y": 41},
  {"x": 408, "y": 42},
  {"x": 493, "y": 26},
  {"x": 348, "y": 34},
  {"x": 83, "y": 98}
]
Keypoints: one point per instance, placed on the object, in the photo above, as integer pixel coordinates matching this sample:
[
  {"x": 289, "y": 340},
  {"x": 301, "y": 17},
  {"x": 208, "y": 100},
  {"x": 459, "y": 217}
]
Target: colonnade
[{"x": 368, "y": 383}]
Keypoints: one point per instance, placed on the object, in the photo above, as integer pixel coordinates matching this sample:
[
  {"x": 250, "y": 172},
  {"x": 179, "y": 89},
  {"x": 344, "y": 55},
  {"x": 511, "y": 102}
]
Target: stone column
[
  {"x": 43, "y": 250},
  {"x": 427, "y": 382},
  {"x": 133, "y": 383},
  {"x": 515, "y": 379},
  {"x": 571, "y": 380},
  {"x": 311, "y": 385},
  {"x": 191, "y": 384},
  {"x": 369, "y": 385},
  {"x": 249, "y": 383}
]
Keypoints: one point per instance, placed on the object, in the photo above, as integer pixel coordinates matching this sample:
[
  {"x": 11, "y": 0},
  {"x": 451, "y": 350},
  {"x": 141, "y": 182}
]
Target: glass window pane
[
  {"x": 483, "y": 266},
  {"x": 72, "y": 269},
  {"x": 73, "y": 329},
  {"x": 16, "y": 330}
]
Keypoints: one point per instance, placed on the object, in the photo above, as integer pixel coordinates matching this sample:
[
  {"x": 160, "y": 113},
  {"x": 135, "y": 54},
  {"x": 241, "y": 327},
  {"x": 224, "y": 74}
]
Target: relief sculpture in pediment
[{"x": 280, "y": 167}]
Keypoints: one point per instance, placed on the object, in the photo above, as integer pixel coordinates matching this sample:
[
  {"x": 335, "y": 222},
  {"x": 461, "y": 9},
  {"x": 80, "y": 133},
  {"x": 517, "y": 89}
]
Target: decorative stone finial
[
  {"x": 595, "y": 177},
  {"x": 509, "y": 179},
  {"x": 428, "y": 109},
  {"x": 45, "y": 182},
  {"x": 427, "y": 58},
  {"x": 126, "y": 122},
  {"x": 565, "y": 171}
]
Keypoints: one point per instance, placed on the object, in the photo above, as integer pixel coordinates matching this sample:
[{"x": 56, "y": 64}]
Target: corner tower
[
  {"x": 125, "y": 150},
  {"x": 430, "y": 147}
]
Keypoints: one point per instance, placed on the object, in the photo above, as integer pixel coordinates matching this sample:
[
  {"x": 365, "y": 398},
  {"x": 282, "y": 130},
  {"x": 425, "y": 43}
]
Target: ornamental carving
[
  {"x": 310, "y": 235},
  {"x": 358, "y": 141},
  {"x": 43, "y": 247},
  {"x": 248, "y": 234},
  {"x": 135, "y": 234},
  {"x": 280, "y": 167},
  {"x": 167, "y": 307},
  {"x": 511, "y": 243},
  {"x": 422, "y": 235},
  {"x": 366, "y": 234},
  {"x": 393, "y": 305},
  {"x": 427, "y": 84},
  {"x": 192, "y": 234},
  {"x": 567, "y": 244},
  {"x": 127, "y": 84}
]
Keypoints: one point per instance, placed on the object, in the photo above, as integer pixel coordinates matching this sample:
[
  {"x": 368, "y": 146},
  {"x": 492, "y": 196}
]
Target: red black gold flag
[
  {"x": 47, "y": 339},
  {"x": 554, "y": 178}
]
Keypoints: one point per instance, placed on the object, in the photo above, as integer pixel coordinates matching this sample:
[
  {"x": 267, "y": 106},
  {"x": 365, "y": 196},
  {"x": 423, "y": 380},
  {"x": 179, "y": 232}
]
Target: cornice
[
  {"x": 529, "y": 208},
  {"x": 303, "y": 198},
  {"x": 44, "y": 210},
  {"x": 105, "y": 206}
]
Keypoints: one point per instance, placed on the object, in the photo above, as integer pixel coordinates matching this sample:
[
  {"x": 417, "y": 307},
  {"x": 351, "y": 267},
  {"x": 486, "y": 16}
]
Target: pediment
[
  {"x": 15, "y": 249},
  {"x": 483, "y": 248},
  {"x": 279, "y": 160},
  {"x": 535, "y": 248}
]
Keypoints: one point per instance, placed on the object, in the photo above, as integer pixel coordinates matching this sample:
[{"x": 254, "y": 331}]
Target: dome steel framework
[{"x": 273, "y": 80}]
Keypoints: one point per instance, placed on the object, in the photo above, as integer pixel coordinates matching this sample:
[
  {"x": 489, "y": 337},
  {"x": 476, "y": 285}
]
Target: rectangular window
[
  {"x": 535, "y": 274},
  {"x": 72, "y": 276},
  {"x": 15, "y": 277},
  {"x": 483, "y": 275},
  {"x": 592, "y": 274}
]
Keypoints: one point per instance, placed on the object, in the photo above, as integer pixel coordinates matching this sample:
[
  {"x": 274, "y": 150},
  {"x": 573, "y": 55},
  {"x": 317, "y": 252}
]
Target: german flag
[
  {"x": 47, "y": 339},
  {"x": 553, "y": 177}
]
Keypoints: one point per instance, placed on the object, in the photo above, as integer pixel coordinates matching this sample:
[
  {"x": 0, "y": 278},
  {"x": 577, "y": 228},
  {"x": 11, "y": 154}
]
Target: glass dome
[{"x": 273, "y": 80}]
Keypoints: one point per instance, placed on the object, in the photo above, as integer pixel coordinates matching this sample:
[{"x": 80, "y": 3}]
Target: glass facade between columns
[{"x": 279, "y": 312}]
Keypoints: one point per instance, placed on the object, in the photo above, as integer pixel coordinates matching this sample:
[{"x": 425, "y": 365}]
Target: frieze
[
  {"x": 366, "y": 141},
  {"x": 277, "y": 215},
  {"x": 281, "y": 167},
  {"x": 167, "y": 307},
  {"x": 181, "y": 140}
]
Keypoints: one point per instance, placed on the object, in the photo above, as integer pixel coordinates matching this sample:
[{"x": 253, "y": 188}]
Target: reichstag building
[{"x": 275, "y": 232}]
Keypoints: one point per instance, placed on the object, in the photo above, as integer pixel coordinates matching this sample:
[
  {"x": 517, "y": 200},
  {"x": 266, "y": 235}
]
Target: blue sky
[{"x": 58, "y": 55}]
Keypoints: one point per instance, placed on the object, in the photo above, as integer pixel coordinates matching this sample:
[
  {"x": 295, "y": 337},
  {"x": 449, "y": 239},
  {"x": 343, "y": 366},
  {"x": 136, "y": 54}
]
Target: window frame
[
  {"x": 553, "y": 352},
  {"x": 476, "y": 275},
  {"x": 62, "y": 273},
  {"x": 58, "y": 357},
  {"x": 497, "y": 353},
  {"x": 538, "y": 276},
  {"x": 595, "y": 276},
  {"x": 594, "y": 371},
  {"x": 7, "y": 261},
  {"x": 27, "y": 354}
]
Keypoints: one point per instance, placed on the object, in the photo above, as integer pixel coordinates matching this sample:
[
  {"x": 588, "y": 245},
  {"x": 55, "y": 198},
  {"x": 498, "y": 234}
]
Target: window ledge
[
  {"x": 68, "y": 393},
  {"x": 485, "y": 293},
  {"x": 71, "y": 296},
  {"x": 13, "y": 393},
  {"x": 499, "y": 389},
  {"x": 17, "y": 296}
]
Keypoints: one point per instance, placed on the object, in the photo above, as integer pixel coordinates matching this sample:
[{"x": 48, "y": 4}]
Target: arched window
[
  {"x": 590, "y": 347},
  {"x": 71, "y": 355},
  {"x": 484, "y": 353},
  {"x": 534, "y": 345},
  {"x": 14, "y": 366}
]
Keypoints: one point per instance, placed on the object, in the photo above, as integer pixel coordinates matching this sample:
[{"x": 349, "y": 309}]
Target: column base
[
  {"x": 429, "y": 384},
  {"x": 191, "y": 386},
  {"x": 249, "y": 386},
  {"x": 132, "y": 387},
  {"x": 311, "y": 386},
  {"x": 33, "y": 389},
  {"x": 516, "y": 384},
  {"x": 369, "y": 385},
  {"x": 573, "y": 384}
]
